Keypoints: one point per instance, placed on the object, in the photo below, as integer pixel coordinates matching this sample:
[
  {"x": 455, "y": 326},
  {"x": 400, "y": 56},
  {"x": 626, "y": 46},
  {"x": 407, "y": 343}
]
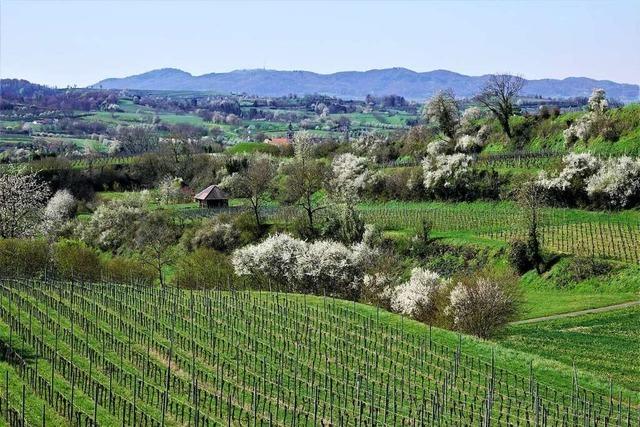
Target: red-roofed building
[{"x": 278, "y": 142}]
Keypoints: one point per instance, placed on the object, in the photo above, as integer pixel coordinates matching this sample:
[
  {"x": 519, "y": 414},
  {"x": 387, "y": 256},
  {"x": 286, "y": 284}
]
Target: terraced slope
[{"x": 119, "y": 355}]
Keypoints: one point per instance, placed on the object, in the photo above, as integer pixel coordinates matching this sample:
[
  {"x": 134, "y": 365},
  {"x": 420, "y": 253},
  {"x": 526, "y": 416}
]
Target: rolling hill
[{"x": 355, "y": 84}]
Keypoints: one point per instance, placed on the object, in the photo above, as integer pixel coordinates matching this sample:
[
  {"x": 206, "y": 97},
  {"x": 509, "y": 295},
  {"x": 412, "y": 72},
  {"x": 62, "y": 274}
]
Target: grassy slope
[
  {"x": 606, "y": 344},
  {"x": 543, "y": 297}
]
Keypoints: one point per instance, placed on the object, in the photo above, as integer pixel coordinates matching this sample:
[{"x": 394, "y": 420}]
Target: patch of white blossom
[
  {"x": 350, "y": 176},
  {"x": 418, "y": 296},
  {"x": 59, "y": 210},
  {"x": 578, "y": 167},
  {"x": 617, "y": 182},
  {"x": 438, "y": 147},
  {"x": 446, "y": 171},
  {"x": 323, "y": 265}
]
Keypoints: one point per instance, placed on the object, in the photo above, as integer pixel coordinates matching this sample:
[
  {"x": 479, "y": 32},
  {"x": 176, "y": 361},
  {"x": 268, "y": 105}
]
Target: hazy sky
[{"x": 80, "y": 42}]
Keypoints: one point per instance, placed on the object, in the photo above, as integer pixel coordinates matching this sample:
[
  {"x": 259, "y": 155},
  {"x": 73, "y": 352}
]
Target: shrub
[
  {"x": 215, "y": 234},
  {"x": 321, "y": 267},
  {"x": 329, "y": 267},
  {"x": 483, "y": 303},
  {"x": 344, "y": 224},
  {"x": 57, "y": 215},
  {"x": 468, "y": 144},
  {"x": 245, "y": 224},
  {"x": 439, "y": 147},
  {"x": 569, "y": 185},
  {"x": 617, "y": 183},
  {"x": 22, "y": 257},
  {"x": 172, "y": 190},
  {"x": 447, "y": 175},
  {"x": 419, "y": 296},
  {"x": 378, "y": 289},
  {"x": 580, "y": 268},
  {"x": 275, "y": 259},
  {"x": 75, "y": 260},
  {"x": 519, "y": 257},
  {"x": 113, "y": 224},
  {"x": 204, "y": 268},
  {"x": 128, "y": 270}
]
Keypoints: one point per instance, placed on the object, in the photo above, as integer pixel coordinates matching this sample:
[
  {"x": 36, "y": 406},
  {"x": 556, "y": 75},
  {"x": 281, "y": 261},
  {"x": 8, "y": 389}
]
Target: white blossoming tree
[
  {"x": 323, "y": 266},
  {"x": 350, "y": 176},
  {"x": 438, "y": 147},
  {"x": 598, "y": 101},
  {"x": 59, "y": 210},
  {"x": 418, "y": 297},
  {"x": 571, "y": 181},
  {"x": 468, "y": 144},
  {"x": 447, "y": 174},
  {"x": 329, "y": 267},
  {"x": 275, "y": 259},
  {"x": 170, "y": 190},
  {"x": 616, "y": 184},
  {"x": 586, "y": 126},
  {"x": 113, "y": 224},
  {"x": 22, "y": 201}
]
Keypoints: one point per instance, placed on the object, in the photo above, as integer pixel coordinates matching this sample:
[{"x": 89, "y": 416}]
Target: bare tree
[
  {"x": 498, "y": 95},
  {"x": 305, "y": 176},
  {"x": 443, "y": 110},
  {"x": 253, "y": 183},
  {"x": 137, "y": 138},
  {"x": 154, "y": 237}
]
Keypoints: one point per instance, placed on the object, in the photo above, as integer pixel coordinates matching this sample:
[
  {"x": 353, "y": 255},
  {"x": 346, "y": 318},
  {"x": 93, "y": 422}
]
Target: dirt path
[{"x": 578, "y": 313}]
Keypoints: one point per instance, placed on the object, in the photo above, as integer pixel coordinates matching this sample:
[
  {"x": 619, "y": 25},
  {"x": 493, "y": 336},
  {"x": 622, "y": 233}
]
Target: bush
[
  {"x": 344, "y": 224},
  {"x": 616, "y": 184},
  {"x": 215, "y": 234},
  {"x": 420, "y": 296},
  {"x": 481, "y": 304},
  {"x": 20, "y": 258},
  {"x": 113, "y": 224},
  {"x": 75, "y": 260},
  {"x": 128, "y": 270},
  {"x": 323, "y": 266},
  {"x": 245, "y": 223},
  {"x": 581, "y": 268},
  {"x": 519, "y": 257},
  {"x": 204, "y": 269}
]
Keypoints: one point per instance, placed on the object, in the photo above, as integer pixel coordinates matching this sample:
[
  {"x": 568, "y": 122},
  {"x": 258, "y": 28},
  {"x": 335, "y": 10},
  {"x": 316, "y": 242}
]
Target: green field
[
  {"x": 115, "y": 354},
  {"x": 606, "y": 344}
]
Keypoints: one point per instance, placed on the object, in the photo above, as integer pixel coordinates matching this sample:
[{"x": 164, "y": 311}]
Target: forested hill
[{"x": 356, "y": 84}]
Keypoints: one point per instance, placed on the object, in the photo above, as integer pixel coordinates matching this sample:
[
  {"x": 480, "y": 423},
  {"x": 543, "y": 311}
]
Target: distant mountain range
[{"x": 356, "y": 84}]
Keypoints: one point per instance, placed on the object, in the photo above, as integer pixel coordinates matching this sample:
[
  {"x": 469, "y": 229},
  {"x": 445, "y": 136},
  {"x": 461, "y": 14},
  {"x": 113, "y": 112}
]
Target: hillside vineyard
[{"x": 110, "y": 354}]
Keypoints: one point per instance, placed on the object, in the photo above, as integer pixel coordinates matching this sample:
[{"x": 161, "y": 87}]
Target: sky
[{"x": 73, "y": 42}]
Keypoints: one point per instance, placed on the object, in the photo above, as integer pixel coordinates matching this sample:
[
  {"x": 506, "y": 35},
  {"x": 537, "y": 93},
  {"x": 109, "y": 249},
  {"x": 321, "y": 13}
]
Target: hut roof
[
  {"x": 279, "y": 142},
  {"x": 212, "y": 192}
]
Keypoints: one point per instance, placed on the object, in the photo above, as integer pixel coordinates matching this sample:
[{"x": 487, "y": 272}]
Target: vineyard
[
  {"x": 601, "y": 235},
  {"x": 597, "y": 234},
  {"x": 105, "y": 354}
]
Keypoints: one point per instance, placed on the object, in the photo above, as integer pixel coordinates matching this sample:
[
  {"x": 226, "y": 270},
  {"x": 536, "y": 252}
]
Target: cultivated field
[{"x": 111, "y": 355}]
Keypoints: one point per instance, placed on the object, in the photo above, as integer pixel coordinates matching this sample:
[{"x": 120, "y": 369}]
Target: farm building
[{"x": 212, "y": 197}]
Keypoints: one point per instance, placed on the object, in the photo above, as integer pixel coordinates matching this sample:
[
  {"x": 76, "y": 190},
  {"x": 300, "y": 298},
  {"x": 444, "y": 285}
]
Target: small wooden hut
[{"x": 212, "y": 197}]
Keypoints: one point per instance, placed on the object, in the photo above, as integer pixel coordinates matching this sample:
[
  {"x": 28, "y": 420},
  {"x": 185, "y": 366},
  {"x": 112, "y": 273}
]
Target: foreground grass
[{"x": 605, "y": 344}]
